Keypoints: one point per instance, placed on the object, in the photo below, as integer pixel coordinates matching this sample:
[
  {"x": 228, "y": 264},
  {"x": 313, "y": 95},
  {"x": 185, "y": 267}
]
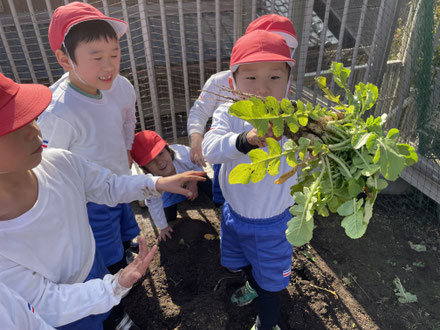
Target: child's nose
[
  {"x": 264, "y": 90},
  {"x": 32, "y": 130}
]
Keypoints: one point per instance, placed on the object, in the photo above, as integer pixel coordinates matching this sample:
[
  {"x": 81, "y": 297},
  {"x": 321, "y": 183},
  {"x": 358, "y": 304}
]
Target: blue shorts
[
  {"x": 216, "y": 190},
  {"x": 111, "y": 226},
  {"x": 261, "y": 243},
  {"x": 169, "y": 199},
  {"x": 91, "y": 322}
]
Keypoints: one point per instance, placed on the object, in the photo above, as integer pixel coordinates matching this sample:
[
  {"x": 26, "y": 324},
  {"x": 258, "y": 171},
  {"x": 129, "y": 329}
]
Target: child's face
[
  {"x": 97, "y": 63},
  {"x": 21, "y": 150},
  {"x": 263, "y": 79},
  {"x": 162, "y": 164}
]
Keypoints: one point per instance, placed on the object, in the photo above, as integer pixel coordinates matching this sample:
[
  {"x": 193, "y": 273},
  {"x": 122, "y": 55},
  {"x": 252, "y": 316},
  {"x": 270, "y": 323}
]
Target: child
[
  {"x": 155, "y": 156},
  {"x": 47, "y": 249},
  {"x": 92, "y": 113},
  {"x": 207, "y": 102},
  {"x": 254, "y": 215}
]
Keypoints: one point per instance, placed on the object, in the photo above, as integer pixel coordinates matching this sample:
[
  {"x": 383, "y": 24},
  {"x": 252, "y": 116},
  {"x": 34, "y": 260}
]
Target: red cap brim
[{"x": 29, "y": 102}]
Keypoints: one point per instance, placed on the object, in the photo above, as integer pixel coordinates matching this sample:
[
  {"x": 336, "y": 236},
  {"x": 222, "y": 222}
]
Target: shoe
[
  {"x": 233, "y": 271},
  {"x": 129, "y": 256},
  {"x": 244, "y": 295},
  {"x": 274, "y": 328},
  {"x": 127, "y": 324},
  {"x": 134, "y": 244}
]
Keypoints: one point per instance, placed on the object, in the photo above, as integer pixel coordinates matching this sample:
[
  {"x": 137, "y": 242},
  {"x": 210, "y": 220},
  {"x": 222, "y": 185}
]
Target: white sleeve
[
  {"x": 56, "y": 132},
  {"x": 155, "y": 207},
  {"x": 203, "y": 107},
  {"x": 17, "y": 314},
  {"x": 60, "y": 304},
  {"x": 104, "y": 187},
  {"x": 218, "y": 144},
  {"x": 130, "y": 120}
]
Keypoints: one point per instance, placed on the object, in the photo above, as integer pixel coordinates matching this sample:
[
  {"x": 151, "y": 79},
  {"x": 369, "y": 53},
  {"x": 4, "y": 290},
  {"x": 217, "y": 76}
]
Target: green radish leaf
[
  {"x": 240, "y": 174},
  {"x": 409, "y": 153},
  {"x": 354, "y": 225},
  {"x": 293, "y": 124},
  {"x": 287, "y": 106},
  {"x": 354, "y": 188},
  {"x": 390, "y": 161},
  {"x": 359, "y": 140},
  {"x": 277, "y": 126},
  {"x": 272, "y": 105}
]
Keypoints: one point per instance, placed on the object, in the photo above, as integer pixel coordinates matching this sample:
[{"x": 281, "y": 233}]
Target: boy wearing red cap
[
  {"x": 47, "y": 249},
  {"x": 208, "y": 102},
  {"x": 92, "y": 112},
  {"x": 156, "y": 157},
  {"x": 254, "y": 215}
]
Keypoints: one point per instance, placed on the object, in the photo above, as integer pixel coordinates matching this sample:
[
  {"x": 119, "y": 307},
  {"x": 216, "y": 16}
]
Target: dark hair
[
  {"x": 172, "y": 153},
  {"x": 85, "y": 32}
]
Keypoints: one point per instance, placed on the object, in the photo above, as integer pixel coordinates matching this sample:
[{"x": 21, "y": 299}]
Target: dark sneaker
[
  {"x": 127, "y": 324},
  {"x": 274, "y": 328},
  {"x": 244, "y": 295}
]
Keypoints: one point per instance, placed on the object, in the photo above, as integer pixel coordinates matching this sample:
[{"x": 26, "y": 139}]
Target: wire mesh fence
[{"x": 173, "y": 46}]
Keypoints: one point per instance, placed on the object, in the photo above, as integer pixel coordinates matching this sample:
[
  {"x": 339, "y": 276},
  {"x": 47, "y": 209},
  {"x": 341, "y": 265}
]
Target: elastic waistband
[{"x": 285, "y": 215}]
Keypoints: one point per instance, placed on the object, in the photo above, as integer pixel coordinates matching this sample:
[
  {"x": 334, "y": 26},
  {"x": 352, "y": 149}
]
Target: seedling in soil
[
  {"x": 344, "y": 156},
  {"x": 404, "y": 296}
]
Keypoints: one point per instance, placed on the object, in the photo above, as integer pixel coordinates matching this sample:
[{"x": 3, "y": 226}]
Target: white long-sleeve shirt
[
  {"x": 17, "y": 314},
  {"x": 182, "y": 163},
  {"x": 47, "y": 252},
  {"x": 100, "y": 130},
  {"x": 259, "y": 200},
  {"x": 207, "y": 103}
]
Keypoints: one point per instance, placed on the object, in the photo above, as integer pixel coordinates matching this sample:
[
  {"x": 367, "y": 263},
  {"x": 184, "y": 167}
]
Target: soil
[{"x": 336, "y": 282}]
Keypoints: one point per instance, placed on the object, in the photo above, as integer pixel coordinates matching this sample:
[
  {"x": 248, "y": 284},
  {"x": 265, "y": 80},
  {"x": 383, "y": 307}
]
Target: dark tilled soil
[{"x": 336, "y": 282}]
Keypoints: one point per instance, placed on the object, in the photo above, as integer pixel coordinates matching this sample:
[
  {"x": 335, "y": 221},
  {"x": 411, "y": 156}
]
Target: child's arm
[
  {"x": 129, "y": 113},
  {"x": 103, "y": 187},
  {"x": 155, "y": 207},
  {"x": 16, "y": 313},
  {"x": 199, "y": 115},
  {"x": 219, "y": 143},
  {"x": 60, "y": 304}
]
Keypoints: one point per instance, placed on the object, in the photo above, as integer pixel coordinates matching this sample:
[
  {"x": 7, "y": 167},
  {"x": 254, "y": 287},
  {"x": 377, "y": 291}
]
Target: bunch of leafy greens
[{"x": 344, "y": 156}]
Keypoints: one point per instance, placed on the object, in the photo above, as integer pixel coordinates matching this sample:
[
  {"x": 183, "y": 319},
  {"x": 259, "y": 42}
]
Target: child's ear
[
  {"x": 63, "y": 60},
  {"x": 231, "y": 85}
]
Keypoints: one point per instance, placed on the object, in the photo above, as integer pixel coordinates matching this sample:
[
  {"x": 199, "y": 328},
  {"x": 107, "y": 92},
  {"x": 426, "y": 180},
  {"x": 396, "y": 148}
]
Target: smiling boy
[
  {"x": 92, "y": 112},
  {"x": 255, "y": 215}
]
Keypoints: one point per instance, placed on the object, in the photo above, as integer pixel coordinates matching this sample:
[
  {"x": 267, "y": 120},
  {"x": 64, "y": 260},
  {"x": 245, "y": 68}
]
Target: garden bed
[{"x": 336, "y": 282}]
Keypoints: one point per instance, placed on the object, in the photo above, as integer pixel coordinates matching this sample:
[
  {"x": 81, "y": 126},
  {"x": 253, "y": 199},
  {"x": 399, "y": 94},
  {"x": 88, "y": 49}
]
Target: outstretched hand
[
  {"x": 135, "y": 270},
  {"x": 174, "y": 183},
  {"x": 196, "y": 149}
]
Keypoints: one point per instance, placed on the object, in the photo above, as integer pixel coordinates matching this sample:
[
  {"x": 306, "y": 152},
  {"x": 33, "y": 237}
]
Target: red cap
[
  {"x": 20, "y": 103},
  {"x": 260, "y": 46},
  {"x": 146, "y": 146},
  {"x": 277, "y": 24},
  {"x": 65, "y": 17}
]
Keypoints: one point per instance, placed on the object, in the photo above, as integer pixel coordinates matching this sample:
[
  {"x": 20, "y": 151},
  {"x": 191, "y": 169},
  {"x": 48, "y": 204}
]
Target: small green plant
[
  {"x": 343, "y": 156},
  {"x": 403, "y": 296}
]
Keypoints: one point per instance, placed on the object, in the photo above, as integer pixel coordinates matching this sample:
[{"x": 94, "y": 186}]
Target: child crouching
[
  {"x": 47, "y": 250},
  {"x": 156, "y": 157}
]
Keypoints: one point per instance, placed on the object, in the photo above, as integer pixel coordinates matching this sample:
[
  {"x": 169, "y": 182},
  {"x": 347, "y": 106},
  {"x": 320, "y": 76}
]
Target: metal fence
[{"x": 173, "y": 46}]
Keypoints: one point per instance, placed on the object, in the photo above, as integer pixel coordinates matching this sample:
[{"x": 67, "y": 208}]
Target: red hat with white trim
[
  {"x": 260, "y": 46},
  {"x": 146, "y": 146},
  {"x": 20, "y": 104},
  {"x": 277, "y": 24},
  {"x": 65, "y": 17}
]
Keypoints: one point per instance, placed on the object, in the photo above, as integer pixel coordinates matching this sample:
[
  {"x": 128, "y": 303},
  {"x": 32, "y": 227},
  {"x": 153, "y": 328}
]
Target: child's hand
[
  {"x": 164, "y": 233},
  {"x": 253, "y": 138},
  {"x": 192, "y": 186},
  {"x": 196, "y": 149},
  {"x": 135, "y": 270},
  {"x": 174, "y": 183}
]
